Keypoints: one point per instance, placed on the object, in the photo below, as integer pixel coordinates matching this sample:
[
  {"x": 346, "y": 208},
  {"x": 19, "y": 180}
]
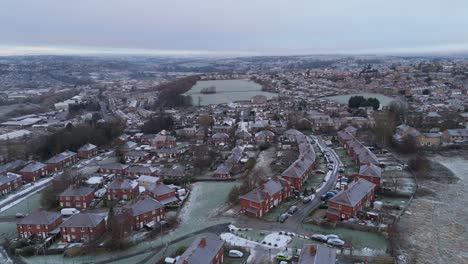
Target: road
[{"x": 305, "y": 209}]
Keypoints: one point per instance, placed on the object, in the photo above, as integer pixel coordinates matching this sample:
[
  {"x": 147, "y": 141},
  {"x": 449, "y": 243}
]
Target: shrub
[{"x": 27, "y": 251}]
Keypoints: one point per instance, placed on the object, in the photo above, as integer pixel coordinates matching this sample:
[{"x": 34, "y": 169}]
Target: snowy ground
[{"x": 434, "y": 228}]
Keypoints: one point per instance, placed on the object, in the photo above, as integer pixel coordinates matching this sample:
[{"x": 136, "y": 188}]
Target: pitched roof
[
  {"x": 355, "y": 192},
  {"x": 33, "y": 166},
  {"x": 114, "y": 166},
  {"x": 8, "y": 177},
  {"x": 83, "y": 220},
  {"x": 317, "y": 254},
  {"x": 40, "y": 218},
  {"x": 202, "y": 251},
  {"x": 87, "y": 147},
  {"x": 143, "y": 206},
  {"x": 121, "y": 184},
  {"x": 77, "y": 191},
  {"x": 370, "y": 169},
  {"x": 61, "y": 156},
  {"x": 159, "y": 189}
]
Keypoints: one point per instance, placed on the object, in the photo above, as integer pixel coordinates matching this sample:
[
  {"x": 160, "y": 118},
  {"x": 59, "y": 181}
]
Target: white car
[
  {"x": 332, "y": 236},
  {"x": 235, "y": 254},
  {"x": 336, "y": 242}
]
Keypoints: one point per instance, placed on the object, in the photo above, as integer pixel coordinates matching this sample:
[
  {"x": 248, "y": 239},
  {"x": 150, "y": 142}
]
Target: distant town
[{"x": 285, "y": 159}]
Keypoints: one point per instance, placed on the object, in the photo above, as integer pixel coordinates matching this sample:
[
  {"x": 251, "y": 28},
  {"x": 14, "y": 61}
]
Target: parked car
[
  {"x": 330, "y": 194},
  {"x": 330, "y": 167},
  {"x": 319, "y": 237},
  {"x": 292, "y": 209},
  {"x": 19, "y": 215},
  {"x": 282, "y": 218},
  {"x": 341, "y": 170},
  {"x": 327, "y": 153},
  {"x": 332, "y": 236},
  {"x": 283, "y": 257},
  {"x": 331, "y": 161},
  {"x": 336, "y": 242},
  {"x": 319, "y": 172},
  {"x": 323, "y": 206},
  {"x": 306, "y": 200},
  {"x": 235, "y": 254}
]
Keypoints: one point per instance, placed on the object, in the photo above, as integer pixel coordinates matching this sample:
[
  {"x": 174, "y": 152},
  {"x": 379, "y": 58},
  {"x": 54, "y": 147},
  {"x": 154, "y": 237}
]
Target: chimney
[
  {"x": 312, "y": 250},
  {"x": 203, "y": 243}
]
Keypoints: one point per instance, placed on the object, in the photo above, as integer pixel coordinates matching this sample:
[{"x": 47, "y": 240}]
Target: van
[{"x": 69, "y": 211}]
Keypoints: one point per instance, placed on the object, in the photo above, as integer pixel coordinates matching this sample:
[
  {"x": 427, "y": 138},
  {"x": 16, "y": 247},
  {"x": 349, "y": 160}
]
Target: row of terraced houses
[{"x": 262, "y": 199}]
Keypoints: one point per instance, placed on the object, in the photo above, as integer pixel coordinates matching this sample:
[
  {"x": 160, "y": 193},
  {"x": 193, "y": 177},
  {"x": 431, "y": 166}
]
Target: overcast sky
[{"x": 233, "y": 26}]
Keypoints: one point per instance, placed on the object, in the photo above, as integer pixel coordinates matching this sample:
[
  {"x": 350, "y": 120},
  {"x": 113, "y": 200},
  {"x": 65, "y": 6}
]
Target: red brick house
[
  {"x": 137, "y": 156},
  {"x": 38, "y": 224},
  {"x": 146, "y": 211},
  {"x": 162, "y": 193},
  {"x": 347, "y": 203},
  {"x": 203, "y": 250},
  {"x": 78, "y": 197},
  {"x": 82, "y": 227},
  {"x": 300, "y": 170},
  {"x": 219, "y": 138},
  {"x": 87, "y": 151},
  {"x": 372, "y": 173},
  {"x": 33, "y": 171},
  {"x": 122, "y": 189},
  {"x": 264, "y": 136},
  {"x": 163, "y": 140},
  {"x": 114, "y": 168},
  {"x": 259, "y": 201},
  {"x": 243, "y": 137},
  {"x": 61, "y": 160},
  {"x": 9, "y": 182},
  {"x": 223, "y": 171}
]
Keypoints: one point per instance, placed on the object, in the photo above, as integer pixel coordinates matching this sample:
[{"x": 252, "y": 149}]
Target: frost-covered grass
[
  {"x": 358, "y": 239},
  {"x": 278, "y": 210}
]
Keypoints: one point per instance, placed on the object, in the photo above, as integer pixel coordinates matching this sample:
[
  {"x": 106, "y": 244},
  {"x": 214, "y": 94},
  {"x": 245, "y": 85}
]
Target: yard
[
  {"x": 278, "y": 210},
  {"x": 350, "y": 166}
]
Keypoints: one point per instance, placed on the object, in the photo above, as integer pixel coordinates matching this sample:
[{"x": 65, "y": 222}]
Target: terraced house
[
  {"x": 87, "y": 151},
  {"x": 261, "y": 200},
  {"x": 82, "y": 227},
  {"x": 9, "y": 182},
  {"x": 61, "y": 160},
  {"x": 122, "y": 189},
  {"x": 39, "y": 224},
  {"x": 33, "y": 171},
  {"x": 146, "y": 211},
  {"x": 76, "y": 197},
  {"x": 350, "y": 201},
  {"x": 317, "y": 254}
]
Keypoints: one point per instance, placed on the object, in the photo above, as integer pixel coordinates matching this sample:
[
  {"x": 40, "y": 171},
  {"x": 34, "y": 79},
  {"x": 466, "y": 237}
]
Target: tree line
[
  {"x": 73, "y": 137},
  {"x": 170, "y": 94},
  {"x": 360, "y": 101}
]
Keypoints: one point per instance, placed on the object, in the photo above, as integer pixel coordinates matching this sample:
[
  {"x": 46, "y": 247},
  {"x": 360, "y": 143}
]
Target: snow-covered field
[{"x": 434, "y": 228}]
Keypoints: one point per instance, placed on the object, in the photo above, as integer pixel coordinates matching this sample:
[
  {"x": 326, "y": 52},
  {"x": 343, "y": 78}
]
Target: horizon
[{"x": 227, "y": 28}]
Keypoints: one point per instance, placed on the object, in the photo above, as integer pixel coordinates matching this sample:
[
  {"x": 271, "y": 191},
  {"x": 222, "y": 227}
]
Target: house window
[{"x": 73, "y": 229}]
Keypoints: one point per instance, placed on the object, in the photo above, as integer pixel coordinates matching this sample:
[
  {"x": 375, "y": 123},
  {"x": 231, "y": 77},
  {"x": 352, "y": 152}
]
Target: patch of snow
[{"x": 10, "y": 200}]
